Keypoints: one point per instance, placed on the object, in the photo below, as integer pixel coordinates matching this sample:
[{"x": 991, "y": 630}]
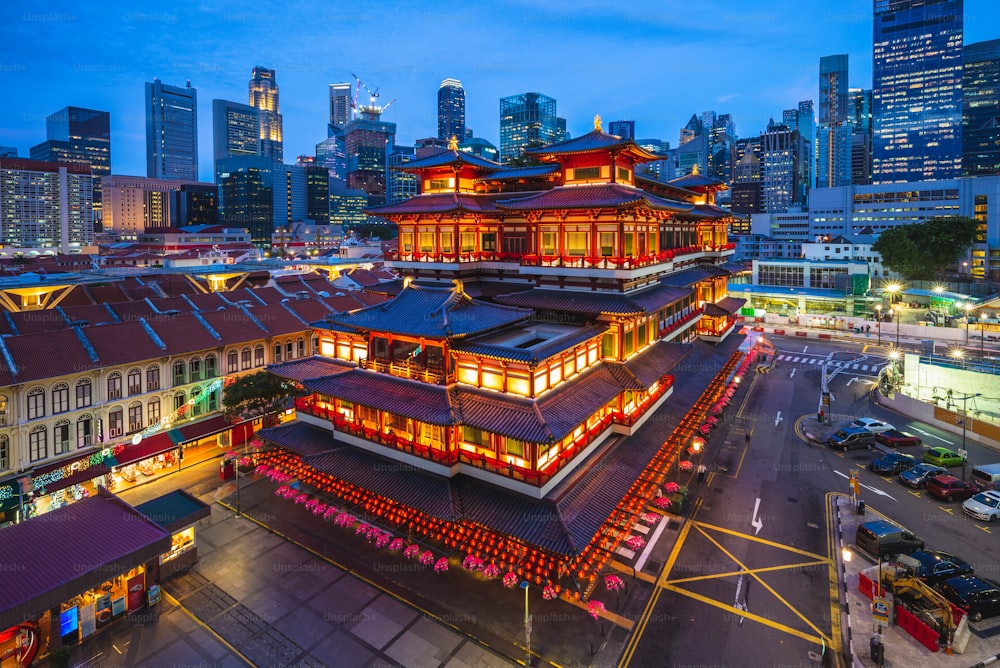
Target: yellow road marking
[
  {"x": 765, "y": 569},
  {"x": 765, "y": 585},
  {"x": 983, "y": 528},
  {"x": 765, "y": 541},
  {"x": 833, "y": 576},
  {"x": 819, "y": 640}
]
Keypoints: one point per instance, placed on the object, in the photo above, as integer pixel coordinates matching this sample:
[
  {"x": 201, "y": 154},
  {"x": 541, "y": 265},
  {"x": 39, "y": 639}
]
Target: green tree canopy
[
  {"x": 924, "y": 251},
  {"x": 257, "y": 394}
]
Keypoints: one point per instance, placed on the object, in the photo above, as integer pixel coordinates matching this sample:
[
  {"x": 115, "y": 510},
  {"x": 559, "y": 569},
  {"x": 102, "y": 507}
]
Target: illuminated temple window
[
  {"x": 607, "y": 244},
  {"x": 468, "y": 373},
  {"x": 492, "y": 379},
  {"x": 406, "y": 242},
  {"x": 473, "y": 436},
  {"x": 576, "y": 243},
  {"x": 548, "y": 243},
  {"x": 447, "y": 243},
  {"x": 518, "y": 383},
  {"x": 426, "y": 242},
  {"x": 514, "y": 447},
  {"x": 468, "y": 240}
]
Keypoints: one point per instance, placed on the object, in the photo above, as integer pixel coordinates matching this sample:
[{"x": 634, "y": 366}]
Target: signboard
[
  {"x": 88, "y": 620},
  {"x": 136, "y": 588},
  {"x": 154, "y": 595},
  {"x": 880, "y": 611},
  {"x": 69, "y": 623},
  {"x": 117, "y": 606},
  {"x": 964, "y": 454},
  {"x": 103, "y": 610}
]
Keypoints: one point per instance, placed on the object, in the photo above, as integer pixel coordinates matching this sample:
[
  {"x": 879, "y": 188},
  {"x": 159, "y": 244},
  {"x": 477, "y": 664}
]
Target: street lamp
[
  {"x": 878, "y": 325},
  {"x": 982, "y": 333},
  {"x": 968, "y": 309},
  {"x": 965, "y": 419},
  {"x": 527, "y": 625}
]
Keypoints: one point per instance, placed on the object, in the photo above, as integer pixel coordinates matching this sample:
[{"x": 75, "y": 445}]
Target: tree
[
  {"x": 527, "y": 159},
  {"x": 924, "y": 251},
  {"x": 257, "y": 394}
]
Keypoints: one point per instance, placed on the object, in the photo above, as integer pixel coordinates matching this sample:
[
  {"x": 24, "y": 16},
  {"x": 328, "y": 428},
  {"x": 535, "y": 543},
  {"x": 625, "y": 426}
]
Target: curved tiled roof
[
  {"x": 595, "y": 140},
  {"x": 419, "y": 401},
  {"x": 592, "y": 303},
  {"x": 698, "y": 181},
  {"x": 511, "y": 173},
  {"x": 501, "y": 414},
  {"x": 654, "y": 183},
  {"x": 431, "y": 312},
  {"x": 447, "y": 157},
  {"x": 587, "y": 197},
  {"x": 530, "y": 355},
  {"x": 691, "y": 276},
  {"x": 441, "y": 203},
  {"x": 309, "y": 367}
]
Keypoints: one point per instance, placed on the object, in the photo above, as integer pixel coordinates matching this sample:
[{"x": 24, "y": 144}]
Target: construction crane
[{"x": 371, "y": 108}]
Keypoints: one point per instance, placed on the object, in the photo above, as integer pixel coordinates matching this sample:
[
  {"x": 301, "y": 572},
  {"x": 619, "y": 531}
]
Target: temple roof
[
  {"x": 309, "y": 367},
  {"x": 419, "y": 401},
  {"x": 431, "y": 312},
  {"x": 691, "y": 276},
  {"x": 725, "y": 306},
  {"x": 512, "y": 173},
  {"x": 655, "y": 183},
  {"x": 698, "y": 182},
  {"x": 441, "y": 203},
  {"x": 658, "y": 296},
  {"x": 595, "y": 140},
  {"x": 447, "y": 157},
  {"x": 589, "y": 197},
  {"x": 533, "y": 355},
  {"x": 595, "y": 303}
]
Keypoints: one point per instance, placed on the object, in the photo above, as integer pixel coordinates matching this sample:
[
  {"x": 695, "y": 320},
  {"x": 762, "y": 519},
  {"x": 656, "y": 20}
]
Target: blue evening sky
[{"x": 654, "y": 62}]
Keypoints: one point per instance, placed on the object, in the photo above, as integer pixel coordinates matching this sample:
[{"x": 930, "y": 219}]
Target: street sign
[
  {"x": 964, "y": 454},
  {"x": 880, "y": 611}
]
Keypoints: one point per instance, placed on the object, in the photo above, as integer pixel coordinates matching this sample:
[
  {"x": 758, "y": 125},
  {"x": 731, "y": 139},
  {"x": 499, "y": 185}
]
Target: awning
[
  {"x": 175, "y": 510},
  {"x": 148, "y": 447},
  {"x": 203, "y": 429}
]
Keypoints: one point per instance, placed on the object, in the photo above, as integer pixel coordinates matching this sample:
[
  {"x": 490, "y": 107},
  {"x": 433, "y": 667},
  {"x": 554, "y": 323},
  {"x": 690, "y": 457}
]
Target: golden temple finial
[
  {"x": 694, "y": 169},
  {"x": 453, "y": 143},
  {"x": 597, "y": 122}
]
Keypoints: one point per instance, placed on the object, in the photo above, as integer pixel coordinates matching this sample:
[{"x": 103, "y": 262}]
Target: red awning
[
  {"x": 196, "y": 430},
  {"x": 149, "y": 447}
]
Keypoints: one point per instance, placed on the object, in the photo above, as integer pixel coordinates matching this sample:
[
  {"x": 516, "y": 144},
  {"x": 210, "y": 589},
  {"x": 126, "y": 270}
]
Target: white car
[
  {"x": 872, "y": 425},
  {"x": 983, "y": 506}
]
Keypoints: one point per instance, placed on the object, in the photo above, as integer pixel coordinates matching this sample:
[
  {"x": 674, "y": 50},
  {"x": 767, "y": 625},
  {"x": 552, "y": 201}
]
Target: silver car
[
  {"x": 917, "y": 476},
  {"x": 983, "y": 506}
]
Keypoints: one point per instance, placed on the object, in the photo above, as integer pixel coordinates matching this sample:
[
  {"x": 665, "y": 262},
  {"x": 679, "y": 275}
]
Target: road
[{"x": 754, "y": 562}]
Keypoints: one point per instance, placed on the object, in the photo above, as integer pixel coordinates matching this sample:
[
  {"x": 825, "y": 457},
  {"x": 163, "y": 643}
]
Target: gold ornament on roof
[
  {"x": 453, "y": 143},
  {"x": 694, "y": 169},
  {"x": 597, "y": 122}
]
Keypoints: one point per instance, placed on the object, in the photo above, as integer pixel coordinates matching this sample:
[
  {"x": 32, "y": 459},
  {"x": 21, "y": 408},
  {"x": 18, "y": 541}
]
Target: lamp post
[
  {"x": 965, "y": 419},
  {"x": 939, "y": 291},
  {"x": 968, "y": 310},
  {"x": 982, "y": 334},
  {"x": 527, "y": 625},
  {"x": 899, "y": 316},
  {"x": 878, "y": 324}
]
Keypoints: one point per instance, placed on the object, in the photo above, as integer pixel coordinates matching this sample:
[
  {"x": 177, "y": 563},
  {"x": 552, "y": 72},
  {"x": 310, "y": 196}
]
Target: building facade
[
  {"x": 341, "y": 104},
  {"x": 171, "y": 131},
  {"x": 451, "y": 110},
  {"x": 368, "y": 142},
  {"x": 623, "y": 129},
  {"x": 917, "y": 90},
  {"x": 833, "y": 136},
  {"x": 980, "y": 101},
  {"x": 860, "y": 104},
  {"x": 46, "y": 205},
  {"x": 235, "y": 129},
  {"x": 264, "y": 97},
  {"x": 526, "y": 120}
]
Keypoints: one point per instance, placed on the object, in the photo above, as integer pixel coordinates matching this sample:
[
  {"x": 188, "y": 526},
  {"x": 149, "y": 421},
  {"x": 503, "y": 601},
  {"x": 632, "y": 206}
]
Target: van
[
  {"x": 986, "y": 477},
  {"x": 851, "y": 438},
  {"x": 881, "y": 538}
]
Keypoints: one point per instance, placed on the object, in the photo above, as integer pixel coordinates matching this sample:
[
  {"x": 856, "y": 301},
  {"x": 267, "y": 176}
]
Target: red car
[{"x": 949, "y": 488}]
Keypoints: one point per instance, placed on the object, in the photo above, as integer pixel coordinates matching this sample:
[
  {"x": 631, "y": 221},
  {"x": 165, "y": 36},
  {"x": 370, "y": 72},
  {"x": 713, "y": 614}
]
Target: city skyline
[{"x": 750, "y": 63}]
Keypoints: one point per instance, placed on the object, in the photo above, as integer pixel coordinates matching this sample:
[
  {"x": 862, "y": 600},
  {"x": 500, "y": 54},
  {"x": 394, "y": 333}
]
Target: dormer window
[
  {"x": 587, "y": 173},
  {"x": 437, "y": 185},
  {"x": 624, "y": 175}
]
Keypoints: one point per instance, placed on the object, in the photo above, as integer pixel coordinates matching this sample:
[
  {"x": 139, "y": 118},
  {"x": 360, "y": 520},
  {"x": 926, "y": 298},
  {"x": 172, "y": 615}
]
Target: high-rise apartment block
[
  {"x": 623, "y": 129},
  {"x": 264, "y": 98},
  {"x": 917, "y": 90},
  {"x": 981, "y": 108},
  {"x": 340, "y": 104},
  {"x": 46, "y": 205},
  {"x": 860, "y": 112},
  {"x": 527, "y": 120},
  {"x": 235, "y": 129},
  {"x": 833, "y": 136},
  {"x": 451, "y": 110},
  {"x": 132, "y": 204},
  {"x": 171, "y": 131},
  {"x": 368, "y": 141}
]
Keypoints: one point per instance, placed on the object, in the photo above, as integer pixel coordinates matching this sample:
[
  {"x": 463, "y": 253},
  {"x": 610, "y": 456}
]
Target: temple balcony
[
  {"x": 427, "y": 373},
  {"x": 682, "y": 323}
]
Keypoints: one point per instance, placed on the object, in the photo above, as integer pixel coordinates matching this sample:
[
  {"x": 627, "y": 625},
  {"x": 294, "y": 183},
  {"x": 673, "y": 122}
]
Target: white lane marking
[
  {"x": 757, "y": 522},
  {"x": 874, "y": 489},
  {"x": 927, "y": 433},
  {"x": 796, "y": 359}
]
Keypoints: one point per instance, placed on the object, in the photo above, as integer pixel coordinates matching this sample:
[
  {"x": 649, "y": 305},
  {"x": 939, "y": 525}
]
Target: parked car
[
  {"x": 986, "y": 476},
  {"x": 851, "y": 438},
  {"x": 880, "y": 538},
  {"x": 949, "y": 488},
  {"x": 917, "y": 476},
  {"x": 872, "y": 425},
  {"x": 978, "y": 597},
  {"x": 983, "y": 506},
  {"x": 895, "y": 438},
  {"x": 943, "y": 457},
  {"x": 890, "y": 464},
  {"x": 933, "y": 566}
]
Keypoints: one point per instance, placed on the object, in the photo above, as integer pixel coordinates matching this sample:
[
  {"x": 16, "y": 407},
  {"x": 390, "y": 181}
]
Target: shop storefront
[
  {"x": 177, "y": 512},
  {"x": 82, "y": 567}
]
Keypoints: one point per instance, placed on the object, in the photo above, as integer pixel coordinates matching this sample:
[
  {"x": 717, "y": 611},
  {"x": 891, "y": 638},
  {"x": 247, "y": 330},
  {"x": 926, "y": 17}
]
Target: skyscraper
[
  {"x": 340, "y": 104},
  {"x": 917, "y": 90},
  {"x": 264, "y": 97},
  {"x": 451, "y": 110},
  {"x": 784, "y": 179},
  {"x": 981, "y": 108},
  {"x": 78, "y": 136},
  {"x": 623, "y": 129},
  {"x": 528, "y": 119},
  {"x": 171, "y": 131},
  {"x": 860, "y": 112},
  {"x": 833, "y": 137},
  {"x": 235, "y": 129},
  {"x": 368, "y": 141}
]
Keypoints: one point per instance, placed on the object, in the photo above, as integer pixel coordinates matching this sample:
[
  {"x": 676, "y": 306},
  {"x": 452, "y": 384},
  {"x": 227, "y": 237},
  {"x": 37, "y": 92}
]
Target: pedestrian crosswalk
[{"x": 817, "y": 362}]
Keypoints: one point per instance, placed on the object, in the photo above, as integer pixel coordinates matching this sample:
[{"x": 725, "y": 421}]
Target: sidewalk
[{"x": 901, "y": 649}]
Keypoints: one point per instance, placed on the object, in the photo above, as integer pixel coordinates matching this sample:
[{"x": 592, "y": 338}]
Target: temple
[{"x": 539, "y": 318}]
